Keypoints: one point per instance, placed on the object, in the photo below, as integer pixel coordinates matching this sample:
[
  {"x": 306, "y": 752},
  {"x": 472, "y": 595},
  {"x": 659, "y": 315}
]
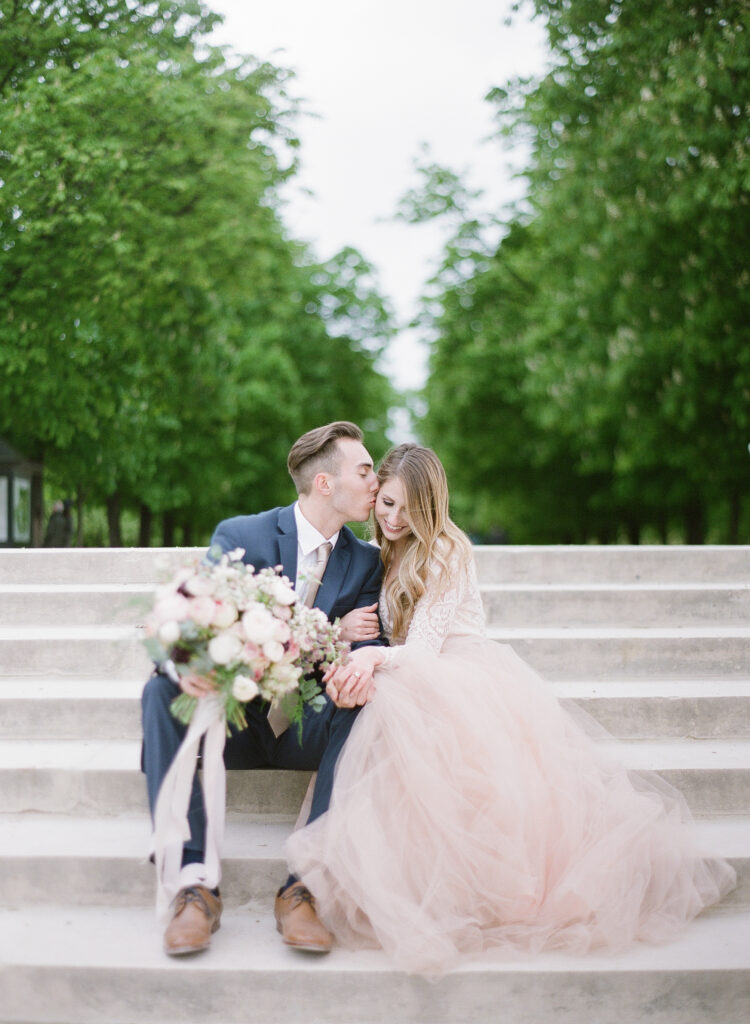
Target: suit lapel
[
  {"x": 288, "y": 542},
  {"x": 333, "y": 577}
]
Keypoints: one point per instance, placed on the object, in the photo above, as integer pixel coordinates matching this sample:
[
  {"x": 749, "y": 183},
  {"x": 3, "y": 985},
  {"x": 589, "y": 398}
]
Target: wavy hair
[{"x": 436, "y": 544}]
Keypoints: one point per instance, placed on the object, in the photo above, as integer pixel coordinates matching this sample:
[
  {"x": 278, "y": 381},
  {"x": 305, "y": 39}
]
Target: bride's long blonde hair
[{"x": 436, "y": 544}]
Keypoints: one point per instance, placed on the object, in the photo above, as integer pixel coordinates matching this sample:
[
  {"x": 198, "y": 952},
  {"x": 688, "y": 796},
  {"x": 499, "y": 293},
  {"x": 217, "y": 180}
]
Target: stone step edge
[
  {"x": 648, "y": 587},
  {"x": 247, "y": 837},
  {"x": 502, "y": 633},
  {"x": 119, "y": 755},
  {"x": 72, "y": 688},
  {"x": 123, "y": 754},
  {"x": 71, "y": 937}
]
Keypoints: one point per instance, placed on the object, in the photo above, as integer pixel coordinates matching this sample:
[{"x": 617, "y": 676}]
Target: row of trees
[
  {"x": 162, "y": 339},
  {"x": 590, "y": 375}
]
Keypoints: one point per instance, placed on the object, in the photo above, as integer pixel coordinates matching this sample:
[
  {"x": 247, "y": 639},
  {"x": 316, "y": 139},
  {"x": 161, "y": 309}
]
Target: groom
[{"x": 336, "y": 484}]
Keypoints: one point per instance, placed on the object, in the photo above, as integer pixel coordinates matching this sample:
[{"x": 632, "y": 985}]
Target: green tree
[
  {"x": 156, "y": 323},
  {"x": 632, "y": 351}
]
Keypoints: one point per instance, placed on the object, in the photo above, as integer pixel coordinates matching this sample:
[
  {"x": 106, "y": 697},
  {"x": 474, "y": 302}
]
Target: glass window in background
[{"x": 21, "y": 509}]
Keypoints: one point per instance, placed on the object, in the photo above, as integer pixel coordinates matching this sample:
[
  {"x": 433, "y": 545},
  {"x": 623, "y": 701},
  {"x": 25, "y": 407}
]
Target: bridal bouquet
[{"x": 246, "y": 632}]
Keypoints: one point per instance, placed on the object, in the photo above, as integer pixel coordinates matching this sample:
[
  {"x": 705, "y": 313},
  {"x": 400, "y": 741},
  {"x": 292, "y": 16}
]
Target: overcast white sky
[{"x": 383, "y": 77}]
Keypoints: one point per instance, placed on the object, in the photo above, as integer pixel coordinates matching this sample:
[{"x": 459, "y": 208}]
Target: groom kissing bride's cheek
[{"x": 470, "y": 812}]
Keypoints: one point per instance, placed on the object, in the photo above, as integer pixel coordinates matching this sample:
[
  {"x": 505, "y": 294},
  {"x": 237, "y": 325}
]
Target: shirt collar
[{"x": 308, "y": 537}]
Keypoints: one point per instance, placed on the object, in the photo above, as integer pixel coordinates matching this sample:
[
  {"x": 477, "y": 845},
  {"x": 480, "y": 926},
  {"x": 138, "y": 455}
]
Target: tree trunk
[
  {"x": 663, "y": 526},
  {"x": 187, "y": 535},
  {"x": 734, "y": 517},
  {"x": 144, "y": 533},
  {"x": 695, "y": 522},
  {"x": 79, "y": 517},
  {"x": 168, "y": 529},
  {"x": 634, "y": 531},
  {"x": 113, "y": 520}
]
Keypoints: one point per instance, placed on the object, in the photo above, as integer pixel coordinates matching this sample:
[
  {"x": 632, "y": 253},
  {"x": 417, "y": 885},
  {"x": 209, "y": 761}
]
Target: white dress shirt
[{"x": 309, "y": 540}]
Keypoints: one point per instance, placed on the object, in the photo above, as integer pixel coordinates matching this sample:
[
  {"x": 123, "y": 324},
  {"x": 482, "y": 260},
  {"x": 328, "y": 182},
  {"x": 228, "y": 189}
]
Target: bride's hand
[
  {"x": 353, "y": 684},
  {"x": 360, "y": 624}
]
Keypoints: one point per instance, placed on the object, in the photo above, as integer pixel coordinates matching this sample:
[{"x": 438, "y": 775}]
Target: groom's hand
[
  {"x": 360, "y": 624},
  {"x": 197, "y": 686},
  {"x": 354, "y": 693},
  {"x": 353, "y": 684}
]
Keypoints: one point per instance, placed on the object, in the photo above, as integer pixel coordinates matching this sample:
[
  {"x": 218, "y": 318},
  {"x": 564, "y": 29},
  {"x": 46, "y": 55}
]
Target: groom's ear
[{"x": 322, "y": 483}]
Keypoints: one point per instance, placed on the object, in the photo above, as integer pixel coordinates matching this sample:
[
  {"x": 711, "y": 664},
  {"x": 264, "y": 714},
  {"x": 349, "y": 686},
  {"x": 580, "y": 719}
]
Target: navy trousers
[{"x": 323, "y": 735}]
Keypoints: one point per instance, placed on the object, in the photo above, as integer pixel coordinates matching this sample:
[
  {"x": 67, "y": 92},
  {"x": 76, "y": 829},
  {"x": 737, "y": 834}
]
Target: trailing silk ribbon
[{"x": 171, "y": 827}]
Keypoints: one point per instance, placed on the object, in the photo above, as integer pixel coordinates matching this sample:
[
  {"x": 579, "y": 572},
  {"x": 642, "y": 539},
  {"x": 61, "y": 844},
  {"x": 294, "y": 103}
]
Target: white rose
[
  {"x": 169, "y": 633},
  {"x": 244, "y": 688},
  {"x": 199, "y": 586},
  {"x": 170, "y": 606},
  {"x": 273, "y": 650},
  {"x": 259, "y": 625},
  {"x": 282, "y": 591},
  {"x": 288, "y": 674},
  {"x": 224, "y": 648},
  {"x": 224, "y": 614}
]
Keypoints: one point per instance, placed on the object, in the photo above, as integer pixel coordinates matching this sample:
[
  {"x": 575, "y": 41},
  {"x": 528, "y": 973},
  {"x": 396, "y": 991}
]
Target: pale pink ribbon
[{"x": 171, "y": 826}]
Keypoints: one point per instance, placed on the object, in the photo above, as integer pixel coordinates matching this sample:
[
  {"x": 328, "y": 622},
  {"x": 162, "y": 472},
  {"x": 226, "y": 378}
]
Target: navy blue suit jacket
[{"x": 353, "y": 573}]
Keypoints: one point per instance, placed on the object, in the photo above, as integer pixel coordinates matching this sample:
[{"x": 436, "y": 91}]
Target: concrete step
[
  {"x": 496, "y": 564},
  {"x": 104, "y": 604},
  {"x": 102, "y": 861},
  {"x": 602, "y": 605},
  {"x": 630, "y": 654},
  {"x": 654, "y": 709},
  {"x": 722, "y": 604},
  {"x": 103, "y": 777},
  {"x": 621, "y": 563},
  {"x": 67, "y": 965},
  {"x": 92, "y": 565},
  {"x": 556, "y": 653},
  {"x": 70, "y": 708},
  {"x": 55, "y": 652}
]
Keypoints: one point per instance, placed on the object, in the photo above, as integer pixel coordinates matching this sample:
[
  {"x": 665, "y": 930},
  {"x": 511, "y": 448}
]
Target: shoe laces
[
  {"x": 191, "y": 894},
  {"x": 301, "y": 894}
]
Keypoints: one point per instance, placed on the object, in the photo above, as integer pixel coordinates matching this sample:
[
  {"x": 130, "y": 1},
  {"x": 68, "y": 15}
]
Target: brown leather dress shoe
[
  {"x": 196, "y": 916},
  {"x": 298, "y": 922}
]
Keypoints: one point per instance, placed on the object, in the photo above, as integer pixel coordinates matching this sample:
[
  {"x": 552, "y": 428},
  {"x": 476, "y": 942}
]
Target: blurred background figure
[{"x": 60, "y": 526}]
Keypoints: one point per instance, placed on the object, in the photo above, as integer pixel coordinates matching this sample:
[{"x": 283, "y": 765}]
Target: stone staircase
[{"x": 654, "y": 642}]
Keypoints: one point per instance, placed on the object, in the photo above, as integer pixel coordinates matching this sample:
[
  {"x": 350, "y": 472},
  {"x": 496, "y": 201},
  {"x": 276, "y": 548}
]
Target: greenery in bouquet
[{"x": 245, "y": 631}]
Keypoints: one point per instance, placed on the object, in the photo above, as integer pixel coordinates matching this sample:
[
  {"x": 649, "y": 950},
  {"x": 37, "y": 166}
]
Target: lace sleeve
[{"x": 435, "y": 613}]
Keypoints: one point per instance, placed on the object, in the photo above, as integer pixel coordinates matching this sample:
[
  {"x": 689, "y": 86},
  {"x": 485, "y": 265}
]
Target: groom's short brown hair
[{"x": 317, "y": 452}]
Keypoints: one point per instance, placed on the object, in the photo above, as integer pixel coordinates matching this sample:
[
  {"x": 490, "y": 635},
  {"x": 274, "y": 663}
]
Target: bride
[{"x": 469, "y": 811}]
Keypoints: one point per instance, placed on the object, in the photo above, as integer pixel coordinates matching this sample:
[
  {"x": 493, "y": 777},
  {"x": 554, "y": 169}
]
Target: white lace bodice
[{"x": 455, "y": 611}]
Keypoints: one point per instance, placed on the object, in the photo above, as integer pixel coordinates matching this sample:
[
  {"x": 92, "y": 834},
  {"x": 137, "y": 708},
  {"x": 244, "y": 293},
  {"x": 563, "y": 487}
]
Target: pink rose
[
  {"x": 292, "y": 651},
  {"x": 202, "y": 610}
]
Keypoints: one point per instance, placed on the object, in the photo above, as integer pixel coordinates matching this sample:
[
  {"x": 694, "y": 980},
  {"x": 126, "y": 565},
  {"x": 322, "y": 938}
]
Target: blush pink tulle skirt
[{"x": 470, "y": 812}]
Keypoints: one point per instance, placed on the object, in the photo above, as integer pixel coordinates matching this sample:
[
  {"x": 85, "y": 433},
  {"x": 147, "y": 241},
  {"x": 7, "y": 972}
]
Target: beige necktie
[
  {"x": 276, "y": 718},
  {"x": 321, "y": 561}
]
